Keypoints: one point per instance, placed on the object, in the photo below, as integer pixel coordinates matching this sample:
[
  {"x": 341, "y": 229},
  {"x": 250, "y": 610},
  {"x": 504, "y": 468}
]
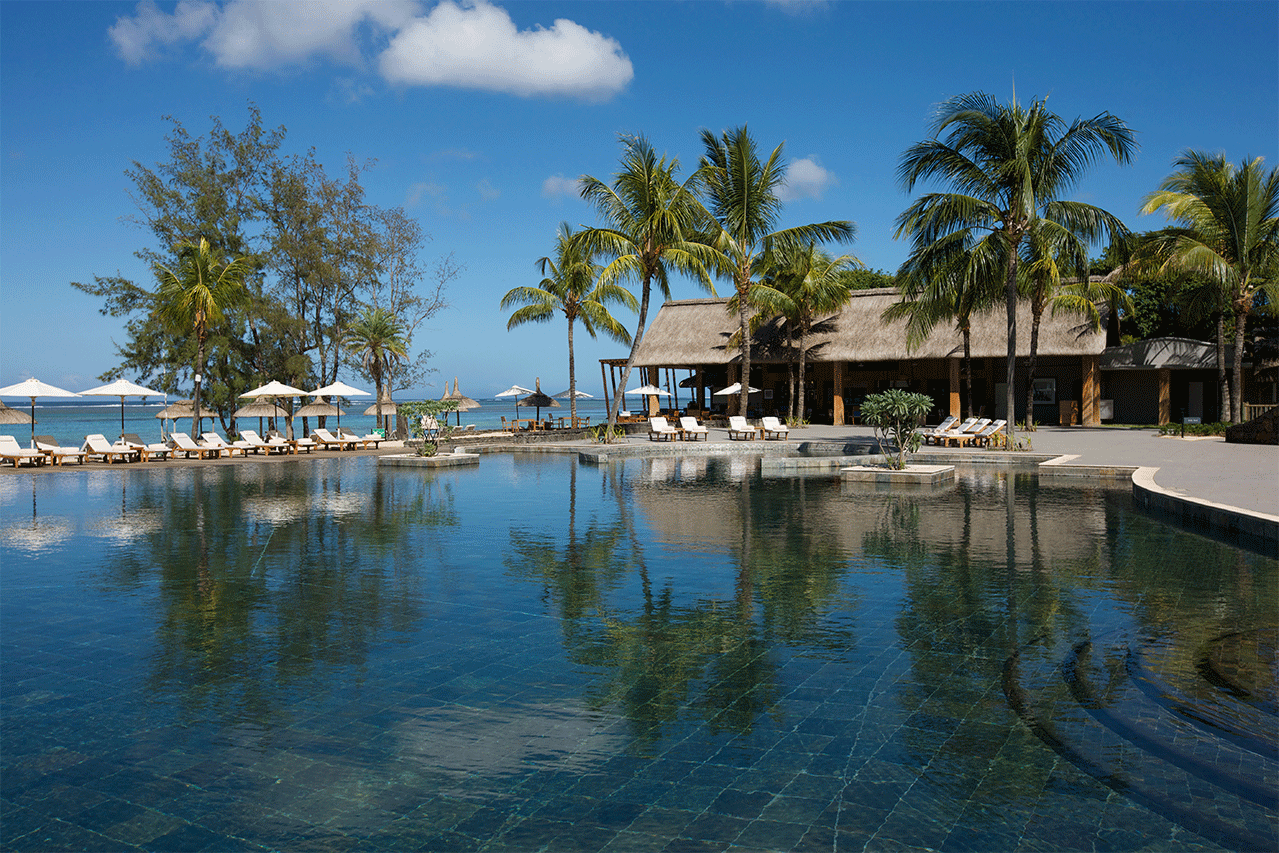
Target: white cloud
[
  {"x": 806, "y": 178},
  {"x": 487, "y": 191},
  {"x": 799, "y": 7},
  {"x": 477, "y": 46},
  {"x": 558, "y": 185},
  {"x": 470, "y": 45}
]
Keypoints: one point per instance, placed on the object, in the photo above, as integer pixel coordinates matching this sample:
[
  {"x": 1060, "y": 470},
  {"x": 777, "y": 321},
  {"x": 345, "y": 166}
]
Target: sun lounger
[
  {"x": 48, "y": 445},
  {"x": 158, "y": 450},
  {"x": 258, "y": 445},
  {"x": 182, "y": 443},
  {"x": 692, "y": 429},
  {"x": 959, "y": 438},
  {"x": 97, "y": 445},
  {"x": 328, "y": 439},
  {"x": 928, "y": 432},
  {"x": 937, "y": 436},
  {"x": 16, "y": 453},
  {"x": 774, "y": 427},
  {"x": 365, "y": 440},
  {"x": 989, "y": 434},
  {"x": 738, "y": 429},
  {"x": 660, "y": 430},
  {"x": 307, "y": 444},
  {"x": 212, "y": 439}
]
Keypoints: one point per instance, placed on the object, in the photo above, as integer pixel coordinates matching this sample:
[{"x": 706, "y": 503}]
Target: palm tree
[
  {"x": 1045, "y": 246},
  {"x": 948, "y": 281},
  {"x": 651, "y": 218},
  {"x": 196, "y": 295},
  {"x": 1010, "y": 166},
  {"x": 1229, "y": 218},
  {"x": 802, "y": 284},
  {"x": 377, "y": 339},
  {"x": 743, "y": 201},
  {"x": 573, "y": 286}
]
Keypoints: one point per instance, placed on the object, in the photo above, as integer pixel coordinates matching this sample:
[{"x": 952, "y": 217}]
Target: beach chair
[
  {"x": 988, "y": 434},
  {"x": 937, "y": 436},
  {"x": 660, "y": 430},
  {"x": 180, "y": 442},
  {"x": 927, "y": 432},
  {"x": 213, "y": 439},
  {"x": 365, "y": 440},
  {"x": 259, "y": 445},
  {"x": 328, "y": 439},
  {"x": 48, "y": 445},
  {"x": 16, "y": 453},
  {"x": 959, "y": 438},
  {"x": 692, "y": 429},
  {"x": 739, "y": 430},
  {"x": 773, "y": 427},
  {"x": 158, "y": 450},
  {"x": 97, "y": 445},
  {"x": 307, "y": 444}
]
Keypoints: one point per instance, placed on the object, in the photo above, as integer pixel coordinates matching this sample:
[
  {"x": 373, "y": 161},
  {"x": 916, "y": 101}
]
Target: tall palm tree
[
  {"x": 572, "y": 286},
  {"x": 1010, "y": 166},
  {"x": 1229, "y": 218},
  {"x": 196, "y": 295},
  {"x": 651, "y": 221},
  {"x": 377, "y": 339},
  {"x": 1051, "y": 250},
  {"x": 803, "y": 284},
  {"x": 944, "y": 281},
  {"x": 742, "y": 195}
]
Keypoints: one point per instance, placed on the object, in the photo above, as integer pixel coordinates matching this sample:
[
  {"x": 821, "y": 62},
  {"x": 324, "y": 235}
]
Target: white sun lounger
[
  {"x": 15, "y": 453},
  {"x": 660, "y": 430},
  {"x": 97, "y": 445},
  {"x": 692, "y": 429},
  {"x": 774, "y": 428},
  {"x": 739, "y": 429},
  {"x": 47, "y": 445}
]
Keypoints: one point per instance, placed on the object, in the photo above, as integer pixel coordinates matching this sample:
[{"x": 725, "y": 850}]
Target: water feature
[{"x": 656, "y": 654}]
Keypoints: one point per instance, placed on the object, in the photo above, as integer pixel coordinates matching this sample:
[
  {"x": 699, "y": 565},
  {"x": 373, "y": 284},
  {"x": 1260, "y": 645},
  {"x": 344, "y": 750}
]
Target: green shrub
[
  {"x": 1218, "y": 428},
  {"x": 895, "y": 414}
]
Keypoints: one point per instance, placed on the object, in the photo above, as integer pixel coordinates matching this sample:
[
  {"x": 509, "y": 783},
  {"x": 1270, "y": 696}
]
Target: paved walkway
[{"x": 1238, "y": 475}]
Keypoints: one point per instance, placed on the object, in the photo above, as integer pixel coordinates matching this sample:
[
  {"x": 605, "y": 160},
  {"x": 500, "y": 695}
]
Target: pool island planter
[
  {"x": 441, "y": 460},
  {"x": 912, "y": 476}
]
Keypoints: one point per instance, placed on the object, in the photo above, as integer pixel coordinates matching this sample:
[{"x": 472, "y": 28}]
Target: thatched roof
[
  {"x": 1172, "y": 353},
  {"x": 696, "y": 332}
]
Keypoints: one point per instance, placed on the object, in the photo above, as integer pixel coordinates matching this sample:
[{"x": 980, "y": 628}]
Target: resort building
[{"x": 855, "y": 353}]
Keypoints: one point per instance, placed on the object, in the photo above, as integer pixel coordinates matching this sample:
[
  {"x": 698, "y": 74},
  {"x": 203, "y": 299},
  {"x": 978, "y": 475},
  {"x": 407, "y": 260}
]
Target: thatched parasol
[
  {"x": 539, "y": 400},
  {"x": 13, "y": 416},
  {"x": 260, "y": 409},
  {"x": 464, "y": 403},
  {"x": 319, "y": 409},
  {"x": 383, "y": 408},
  {"x": 181, "y": 409}
]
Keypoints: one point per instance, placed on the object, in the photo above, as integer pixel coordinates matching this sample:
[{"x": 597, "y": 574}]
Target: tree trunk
[
  {"x": 968, "y": 366},
  {"x": 572, "y": 377},
  {"x": 1037, "y": 312},
  {"x": 1236, "y": 385},
  {"x": 630, "y": 360},
  {"x": 743, "y": 317},
  {"x": 802, "y": 341},
  {"x": 1010, "y": 373},
  {"x": 199, "y": 368},
  {"x": 1223, "y": 385}
]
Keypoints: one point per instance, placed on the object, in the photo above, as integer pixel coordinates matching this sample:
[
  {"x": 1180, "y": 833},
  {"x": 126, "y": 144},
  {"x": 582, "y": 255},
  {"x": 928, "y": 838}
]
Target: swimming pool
[{"x": 657, "y": 654}]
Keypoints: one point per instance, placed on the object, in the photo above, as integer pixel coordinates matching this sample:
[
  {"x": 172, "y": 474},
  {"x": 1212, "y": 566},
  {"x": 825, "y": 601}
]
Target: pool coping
[{"x": 1187, "y": 511}]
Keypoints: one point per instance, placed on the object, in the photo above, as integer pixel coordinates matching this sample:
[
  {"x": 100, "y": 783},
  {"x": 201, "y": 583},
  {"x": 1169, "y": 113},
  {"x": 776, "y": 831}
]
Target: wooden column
[
  {"x": 837, "y": 369},
  {"x": 1165, "y": 395},
  {"x": 955, "y": 403},
  {"x": 1090, "y": 404}
]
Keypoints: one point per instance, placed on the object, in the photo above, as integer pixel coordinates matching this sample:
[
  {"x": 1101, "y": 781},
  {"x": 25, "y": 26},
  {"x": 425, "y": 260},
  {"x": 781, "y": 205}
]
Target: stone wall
[{"x": 1262, "y": 430}]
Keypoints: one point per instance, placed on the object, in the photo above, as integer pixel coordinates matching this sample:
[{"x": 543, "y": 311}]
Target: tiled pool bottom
[{"x": 661, "y": 655}]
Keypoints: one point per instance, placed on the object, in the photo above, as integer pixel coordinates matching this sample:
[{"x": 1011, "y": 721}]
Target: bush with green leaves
[
  {"x": 895, "y": 414},
  {"x": 416, "y": 410}
]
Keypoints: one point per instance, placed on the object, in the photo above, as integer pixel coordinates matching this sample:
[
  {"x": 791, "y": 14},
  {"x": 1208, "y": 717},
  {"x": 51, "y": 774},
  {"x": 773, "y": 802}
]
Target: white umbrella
[
  {"x": 34, "y": 388},
  {"x": 648, "y": 391},
  {"x": 275, "y": 389},
  {"x": 735, "y": 388},
  {"x": 514, "y": 391},
  {"x": 339, "y": 389},
  {"x": 563, "y": 395},
  {"x": 122, "y": 388}
]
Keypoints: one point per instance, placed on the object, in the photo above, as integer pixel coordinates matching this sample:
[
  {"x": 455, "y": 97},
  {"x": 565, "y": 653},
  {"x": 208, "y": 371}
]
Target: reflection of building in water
[{"x": 1067, "y": 521}]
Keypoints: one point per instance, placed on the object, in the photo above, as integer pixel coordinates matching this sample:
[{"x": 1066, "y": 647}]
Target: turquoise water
[
  {"x": 657, "y": 655},
  {"x": 69, "y": 422}
]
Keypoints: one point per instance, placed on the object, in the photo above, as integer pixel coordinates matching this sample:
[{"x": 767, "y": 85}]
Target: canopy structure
[
  {"x": 274, "y": 389},
  {"x": 34, "y": 388},
  {"x": 181, "y": 409},
  {"x": 122, "y": 388},
  {"x": 735, "y": 388},
  {"x": 336, "y": 389},
  {"x": 564, "y": 395},
  {"x": 539, "y": 400},
  {"x": 319, "y": 409},
  {"x": 464, "y": 403},
  {"x": 13, "y": 416}
]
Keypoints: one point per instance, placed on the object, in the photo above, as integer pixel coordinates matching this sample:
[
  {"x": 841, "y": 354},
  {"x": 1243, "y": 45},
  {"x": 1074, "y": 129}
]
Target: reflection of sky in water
[{"x": 337, "y": 649}]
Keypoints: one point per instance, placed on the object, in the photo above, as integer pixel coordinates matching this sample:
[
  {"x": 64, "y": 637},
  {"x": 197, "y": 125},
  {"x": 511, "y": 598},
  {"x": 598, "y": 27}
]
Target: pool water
[{"x": 653, "y": 655}]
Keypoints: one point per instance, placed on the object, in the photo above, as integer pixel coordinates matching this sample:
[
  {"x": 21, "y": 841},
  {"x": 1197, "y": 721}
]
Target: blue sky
[{"x": 480, "y": 115}]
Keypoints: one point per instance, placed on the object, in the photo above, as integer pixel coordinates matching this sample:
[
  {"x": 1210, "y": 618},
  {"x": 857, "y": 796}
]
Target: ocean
[{"x": 69, "y": 421}]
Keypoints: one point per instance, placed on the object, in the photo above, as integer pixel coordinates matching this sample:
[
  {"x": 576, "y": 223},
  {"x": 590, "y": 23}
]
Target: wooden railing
[{"x": 1255, "y": 410}]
